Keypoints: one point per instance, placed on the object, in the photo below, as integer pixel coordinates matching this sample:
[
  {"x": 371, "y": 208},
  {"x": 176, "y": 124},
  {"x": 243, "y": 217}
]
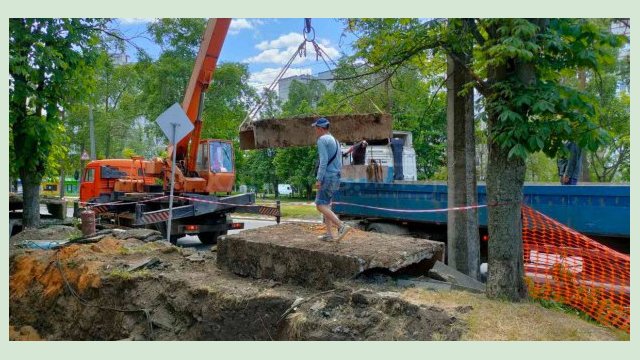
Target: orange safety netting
[{"x": 570, "y": 268}]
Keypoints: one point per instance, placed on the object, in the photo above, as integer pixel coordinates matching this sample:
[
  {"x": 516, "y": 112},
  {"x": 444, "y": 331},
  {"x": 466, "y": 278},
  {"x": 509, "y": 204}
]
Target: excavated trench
[{"x": 119, "y": 289}]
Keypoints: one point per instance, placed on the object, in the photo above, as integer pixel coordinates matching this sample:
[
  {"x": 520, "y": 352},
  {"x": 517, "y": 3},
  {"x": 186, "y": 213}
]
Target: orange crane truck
[{"x": 134, "y": 192}]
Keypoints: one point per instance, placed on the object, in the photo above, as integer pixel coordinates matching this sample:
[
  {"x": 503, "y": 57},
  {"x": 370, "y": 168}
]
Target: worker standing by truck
[
  {"x": 359, "y": 151},
  {"x": 570, "y": 168},
  {"x": 328, "y": 178}
]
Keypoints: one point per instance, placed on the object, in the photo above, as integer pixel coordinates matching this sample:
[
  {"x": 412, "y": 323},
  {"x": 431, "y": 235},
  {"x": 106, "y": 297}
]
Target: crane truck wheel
[
  {"x": 210, "y": 238},
  {"x": 162, "y": 227}
]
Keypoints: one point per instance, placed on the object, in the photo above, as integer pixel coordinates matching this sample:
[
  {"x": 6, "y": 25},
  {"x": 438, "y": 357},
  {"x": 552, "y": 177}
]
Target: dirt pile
[
  {"x": 50, "y": 233},
  {"x": 365, "y": 314},
  {"x": 128, "y": 289},
  {"x": 25, "y": 333}
]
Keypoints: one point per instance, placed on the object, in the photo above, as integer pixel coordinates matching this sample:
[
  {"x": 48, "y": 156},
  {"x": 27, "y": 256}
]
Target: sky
[{"x": 264, "y": 44}]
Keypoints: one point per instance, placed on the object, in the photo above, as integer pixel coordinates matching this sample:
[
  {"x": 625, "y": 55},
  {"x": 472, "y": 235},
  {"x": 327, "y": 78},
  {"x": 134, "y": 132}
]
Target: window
[
  {"x": 50, "y": 187},
  {"x": 221, "y": 157},
  {"x": 202, "y": 160},
  {"x": 89, "y": 175}
]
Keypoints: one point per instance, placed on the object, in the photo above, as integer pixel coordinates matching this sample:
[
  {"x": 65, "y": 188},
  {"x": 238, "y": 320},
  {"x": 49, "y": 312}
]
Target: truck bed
[{"x": 594, "y": 209}]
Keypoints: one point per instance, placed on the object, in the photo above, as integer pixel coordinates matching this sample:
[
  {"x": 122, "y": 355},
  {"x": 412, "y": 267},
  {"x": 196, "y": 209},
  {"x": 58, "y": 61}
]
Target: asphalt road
[{"x": 193, "y": 242}]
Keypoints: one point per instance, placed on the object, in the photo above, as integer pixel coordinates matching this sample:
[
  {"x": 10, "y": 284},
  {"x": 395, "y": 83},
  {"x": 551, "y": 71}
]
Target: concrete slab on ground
[
  {"x": 292, "y": 253},
  {"x": 458, "y": 280}
]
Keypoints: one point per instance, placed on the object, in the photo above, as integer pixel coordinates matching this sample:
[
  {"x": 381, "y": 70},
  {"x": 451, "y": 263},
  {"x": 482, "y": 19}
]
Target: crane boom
[{"x": 205, "y": 65}]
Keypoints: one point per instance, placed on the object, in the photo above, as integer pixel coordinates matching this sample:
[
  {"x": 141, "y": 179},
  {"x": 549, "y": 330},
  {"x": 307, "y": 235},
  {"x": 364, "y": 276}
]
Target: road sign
[
  {"x": 174, "y": 116},
  {"x": 175, "y": 125},
  {"x": 84, "y": 156}
]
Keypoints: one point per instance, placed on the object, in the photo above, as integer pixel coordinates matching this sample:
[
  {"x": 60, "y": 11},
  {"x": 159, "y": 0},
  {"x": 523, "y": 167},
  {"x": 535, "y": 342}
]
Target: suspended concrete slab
[
  {"x": 291, "y": 132},
  {"x": 291, "y": 253}
]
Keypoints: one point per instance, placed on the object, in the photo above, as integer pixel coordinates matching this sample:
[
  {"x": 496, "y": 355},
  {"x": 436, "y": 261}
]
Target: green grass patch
[{"x": 307, "y": 212}]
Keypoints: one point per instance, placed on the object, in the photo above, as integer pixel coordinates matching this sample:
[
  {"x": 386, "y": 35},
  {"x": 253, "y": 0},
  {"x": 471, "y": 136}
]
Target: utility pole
[
  {"x": 463, "y": 243},
  {"x": 92, "y": 137}
]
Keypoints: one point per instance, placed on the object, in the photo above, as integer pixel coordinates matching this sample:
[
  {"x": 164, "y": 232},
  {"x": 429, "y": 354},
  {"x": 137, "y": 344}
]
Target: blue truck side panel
[{"x": 590, "y": 209}]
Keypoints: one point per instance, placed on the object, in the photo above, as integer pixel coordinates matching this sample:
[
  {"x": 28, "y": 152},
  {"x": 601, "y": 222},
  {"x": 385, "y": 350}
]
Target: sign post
[{"x": 175, "y": 125}]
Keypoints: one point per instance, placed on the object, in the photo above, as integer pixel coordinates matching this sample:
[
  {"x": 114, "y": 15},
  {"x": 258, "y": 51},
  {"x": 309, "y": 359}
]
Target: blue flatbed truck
[{"x": 601, "y": 211}]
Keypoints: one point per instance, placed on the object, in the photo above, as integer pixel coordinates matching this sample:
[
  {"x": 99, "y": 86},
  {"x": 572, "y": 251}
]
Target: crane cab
[{"x": 215, "y": 163}]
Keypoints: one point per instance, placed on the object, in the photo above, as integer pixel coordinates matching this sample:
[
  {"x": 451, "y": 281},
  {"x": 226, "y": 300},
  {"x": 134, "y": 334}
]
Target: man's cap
[{"x": 321, "y": 122}]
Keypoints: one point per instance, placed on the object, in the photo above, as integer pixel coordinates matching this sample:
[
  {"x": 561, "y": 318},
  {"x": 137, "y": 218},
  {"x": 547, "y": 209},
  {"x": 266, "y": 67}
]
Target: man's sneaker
[
  {"x": 342, "y": 231},
  {"x": 325, "y": 237}
]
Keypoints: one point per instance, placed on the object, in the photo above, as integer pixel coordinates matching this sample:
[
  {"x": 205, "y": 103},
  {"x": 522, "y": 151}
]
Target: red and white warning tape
[
  {"x": 119, "y": 203},
  {"x": 412, "y": 210}
]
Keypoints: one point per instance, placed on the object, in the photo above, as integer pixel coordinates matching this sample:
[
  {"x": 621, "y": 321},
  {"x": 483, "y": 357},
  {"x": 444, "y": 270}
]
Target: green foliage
[
  {"x": 303, "y": 98},
  {"x": 227, "y": 101},
  {"x": 612, "y": 161},
  {"x": 127, "y": 153},
  {"x": 47, "y": 61},
  {"x": 536, "y": 111},
  {"x": 296, "y": 165},
  {"x": 541, "y": 168},
  {"x": 180, "y": 36}
]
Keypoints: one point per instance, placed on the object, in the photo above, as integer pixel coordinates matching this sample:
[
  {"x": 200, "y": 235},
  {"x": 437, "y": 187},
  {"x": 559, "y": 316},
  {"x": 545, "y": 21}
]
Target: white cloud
[
  {"x": 265, "y": 77},
  {"x": 238, "y": 25},
  {"x": 135, "y": 21},
  {"x": 280, "y": 50},
  {"x": 284, "y": 41}
]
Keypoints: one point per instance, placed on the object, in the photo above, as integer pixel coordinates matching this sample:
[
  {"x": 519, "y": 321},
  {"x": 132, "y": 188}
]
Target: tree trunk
[
  {"x": 31, "y": 198},
  {"x": 463, "y": 243},
  {"x": 584, "y": 176},
  {"x": 505, "y": 179},
  {"x": 309, "y": 189},
  {"x": 92, "y": 137},
  {"x": 62, "y": 184}
]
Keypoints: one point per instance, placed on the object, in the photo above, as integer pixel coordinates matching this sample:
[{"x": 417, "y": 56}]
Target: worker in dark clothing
[
  {"x": 397, "y": 145},
  {"x": 359, "y": 151},
  {"x": 570, "y": 168}
]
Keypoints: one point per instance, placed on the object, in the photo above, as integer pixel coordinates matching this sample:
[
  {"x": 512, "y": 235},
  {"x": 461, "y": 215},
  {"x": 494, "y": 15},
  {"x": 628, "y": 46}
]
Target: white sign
[
  {"x": 84, "y": 156},
  {"x": 174, "y": 115}
]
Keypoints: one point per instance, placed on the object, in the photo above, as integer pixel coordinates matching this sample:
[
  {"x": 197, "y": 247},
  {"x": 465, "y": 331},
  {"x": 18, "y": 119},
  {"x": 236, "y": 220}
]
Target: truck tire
[
  {"x": 211, "y": 238},
  {"x": 162, "y": 227},
  {"x": 386, "y": 228}
]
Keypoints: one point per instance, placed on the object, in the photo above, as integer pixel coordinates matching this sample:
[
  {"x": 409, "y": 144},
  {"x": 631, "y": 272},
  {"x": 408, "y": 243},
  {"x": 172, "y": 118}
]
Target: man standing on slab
[{"x": 328, "y": 178}]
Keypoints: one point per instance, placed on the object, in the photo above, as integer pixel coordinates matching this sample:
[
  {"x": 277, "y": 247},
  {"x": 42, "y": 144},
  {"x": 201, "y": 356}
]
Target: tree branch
[{"x": 473, "y": 28}]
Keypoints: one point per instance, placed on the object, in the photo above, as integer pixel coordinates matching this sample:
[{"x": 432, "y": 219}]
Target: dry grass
[
  {"x": 128, "y": 275},
  {"x": 295, "y": 326},
  {"x": 501, "y": 320}
]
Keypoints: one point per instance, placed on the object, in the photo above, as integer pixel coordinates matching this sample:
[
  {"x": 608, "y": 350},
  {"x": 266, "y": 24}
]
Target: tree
[
  {"x": 296, "y": 166},
  {"x": 529, "y": 109},
  {"x": 46, "y": 60},
  {"x": 611, "y": 162}
]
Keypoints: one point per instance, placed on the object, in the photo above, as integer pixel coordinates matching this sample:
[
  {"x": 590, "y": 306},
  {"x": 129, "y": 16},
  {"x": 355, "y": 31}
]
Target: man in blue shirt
[{"x": 328, "y": 178}]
